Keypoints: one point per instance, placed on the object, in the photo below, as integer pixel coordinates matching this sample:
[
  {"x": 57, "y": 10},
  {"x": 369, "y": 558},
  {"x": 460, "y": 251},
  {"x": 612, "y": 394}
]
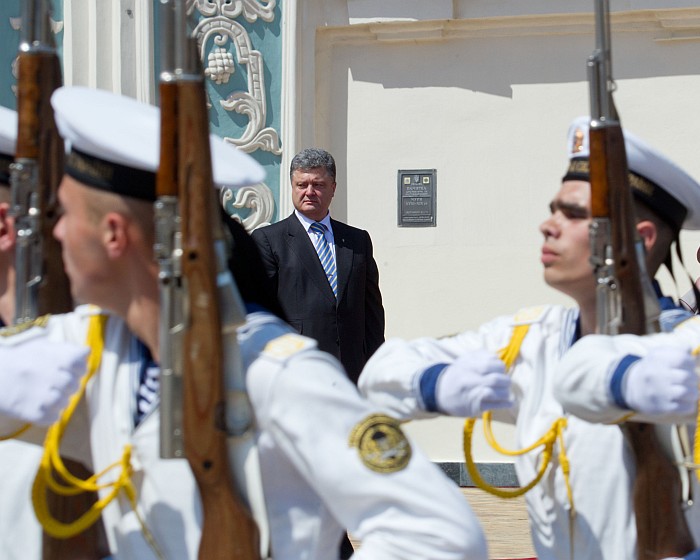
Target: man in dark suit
[{"x": 349, "y": 325}]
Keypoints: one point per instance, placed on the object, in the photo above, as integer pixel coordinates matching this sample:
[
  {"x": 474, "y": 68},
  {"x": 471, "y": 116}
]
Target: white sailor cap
[
  {"x": 113, "y": 143},
  {"x": 655, "y": 180},
  {"x": 8, "y": 140}
]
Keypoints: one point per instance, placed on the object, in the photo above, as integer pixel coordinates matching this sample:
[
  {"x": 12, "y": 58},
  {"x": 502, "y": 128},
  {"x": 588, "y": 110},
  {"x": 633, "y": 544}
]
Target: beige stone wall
[{"x": 484, "y": 93}]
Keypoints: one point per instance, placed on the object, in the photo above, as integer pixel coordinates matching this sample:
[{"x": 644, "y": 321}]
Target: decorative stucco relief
[
  {"x": 251, "y": 9},
  {"x": 218, "y": 61},
  {"x": 257, "y": 198},
  {"x": 218, "y": 38},
  {"x": 223, "y": 45}
]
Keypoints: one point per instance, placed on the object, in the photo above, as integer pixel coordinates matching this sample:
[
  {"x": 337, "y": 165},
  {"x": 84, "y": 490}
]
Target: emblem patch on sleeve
[{"x": 381, "y": 443}]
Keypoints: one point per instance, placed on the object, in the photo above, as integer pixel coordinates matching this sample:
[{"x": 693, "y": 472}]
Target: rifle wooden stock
[
  {"x": 39, "y": 74},
  {"x": 611, "y": 198},
  {"x": 166, "y": 179},
  {"x": 662, "y": 530},
  {"x": 228, "y": 530}
]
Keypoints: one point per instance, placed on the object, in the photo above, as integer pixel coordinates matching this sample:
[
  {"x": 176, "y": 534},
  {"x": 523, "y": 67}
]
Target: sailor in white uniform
[
  {"x": 329, "y": 459},
  {"x": 581, "y": 508},
  {"x": 38, "y": 395}
]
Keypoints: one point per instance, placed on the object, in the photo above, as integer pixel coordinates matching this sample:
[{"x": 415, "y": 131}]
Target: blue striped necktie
[{"x": 325, "y": 255}]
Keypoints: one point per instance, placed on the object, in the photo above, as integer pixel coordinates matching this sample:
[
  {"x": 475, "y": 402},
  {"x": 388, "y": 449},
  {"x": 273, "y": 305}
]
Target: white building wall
[
  {"x": 109, "y": 45},
  {"x": 487, "y": 102}
]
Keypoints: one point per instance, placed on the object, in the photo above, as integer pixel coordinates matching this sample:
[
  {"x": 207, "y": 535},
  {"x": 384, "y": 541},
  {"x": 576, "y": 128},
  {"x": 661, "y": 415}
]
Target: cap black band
[
  {"x": 5, "y": 162},
  {"x": 112, "y": 177},
  {"x": 669, "y": 209}
]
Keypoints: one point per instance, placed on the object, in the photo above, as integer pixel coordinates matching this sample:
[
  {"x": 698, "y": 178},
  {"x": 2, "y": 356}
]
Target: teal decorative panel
[
  {"x": 9, "y": 41},
  {"x": 241, "y": 49},
  {"x": 10, "y": 22}
]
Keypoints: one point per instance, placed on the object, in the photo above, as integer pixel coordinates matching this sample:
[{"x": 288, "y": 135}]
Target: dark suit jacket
[{"x": 353, "y": 327}]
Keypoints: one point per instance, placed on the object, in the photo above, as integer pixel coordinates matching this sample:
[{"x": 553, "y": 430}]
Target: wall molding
[{"x": 681, "y": 24}]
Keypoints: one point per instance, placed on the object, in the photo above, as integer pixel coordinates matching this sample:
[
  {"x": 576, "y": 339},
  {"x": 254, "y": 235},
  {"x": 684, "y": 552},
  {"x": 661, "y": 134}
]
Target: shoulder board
[
  {"x": 522, "y": 321},
  {"x": 693, "y": 321},
  {"x": 22, "y": 332},
  {"x": 530, "y": 315},
  {"x": 287, "y": 345}
]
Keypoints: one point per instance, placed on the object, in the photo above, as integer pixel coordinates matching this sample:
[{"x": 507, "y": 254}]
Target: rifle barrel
[
  {"x": 198, "y": 365},
  {"x": 41, "y": 284},
  {"x": 626, "y": 302}
]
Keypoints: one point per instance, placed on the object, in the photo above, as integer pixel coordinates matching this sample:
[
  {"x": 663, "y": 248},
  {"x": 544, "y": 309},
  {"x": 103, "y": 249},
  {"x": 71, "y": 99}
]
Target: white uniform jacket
[
  {"x": 319, "y": 442},
  {"x": 20, "y": 533},
  {"x": 600, "y": 462}
]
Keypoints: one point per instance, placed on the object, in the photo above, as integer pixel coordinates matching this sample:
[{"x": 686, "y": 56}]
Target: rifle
[
  {"x": 41, "y": 284},
  {"x": 200, "y": 306},
  {"x": 626, "y": 302}
]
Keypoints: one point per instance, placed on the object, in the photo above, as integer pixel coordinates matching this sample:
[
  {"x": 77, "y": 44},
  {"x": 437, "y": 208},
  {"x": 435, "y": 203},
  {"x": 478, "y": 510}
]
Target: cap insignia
[{"x": 577, "y": 146}]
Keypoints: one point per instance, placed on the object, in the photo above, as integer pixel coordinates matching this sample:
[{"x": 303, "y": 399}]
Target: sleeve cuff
[
  {"x": 618, "y": 378},
  {"x": 428, "y": 384}
]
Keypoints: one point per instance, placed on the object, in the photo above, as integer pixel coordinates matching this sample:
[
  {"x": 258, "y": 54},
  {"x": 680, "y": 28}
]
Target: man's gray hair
[{"x": 310, "y": 158}]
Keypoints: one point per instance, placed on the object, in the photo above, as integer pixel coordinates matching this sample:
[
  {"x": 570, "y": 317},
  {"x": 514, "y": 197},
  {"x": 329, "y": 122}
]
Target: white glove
[
  {"x": 662, "y": 382},
  {"x": 38, "y": 377},
  {"x": 472, "y": 384}
]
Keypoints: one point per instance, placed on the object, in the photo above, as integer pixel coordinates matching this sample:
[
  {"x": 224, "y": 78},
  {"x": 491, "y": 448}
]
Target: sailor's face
[
  {"x": 78, "y": 231},
  {"x": 566, "y": 249}
]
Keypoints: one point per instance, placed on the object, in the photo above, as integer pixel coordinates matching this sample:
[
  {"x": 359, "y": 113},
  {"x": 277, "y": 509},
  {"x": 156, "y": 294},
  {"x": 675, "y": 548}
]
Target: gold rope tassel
[
  {"x": 510, "y": 353},
  {"x": 70, "y": 485},
  {"x": 696, "y": 446},
  {"x": 555, "y": 434},
  {"x": 696, "y": 439},
  {"x": 547, "y": 441}
]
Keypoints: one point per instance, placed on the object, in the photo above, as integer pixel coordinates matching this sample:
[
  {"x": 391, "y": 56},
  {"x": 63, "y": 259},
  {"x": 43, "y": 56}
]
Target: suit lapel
[
  {"x": 300, "y": 244},
  {"x": 343, "y": 255}
]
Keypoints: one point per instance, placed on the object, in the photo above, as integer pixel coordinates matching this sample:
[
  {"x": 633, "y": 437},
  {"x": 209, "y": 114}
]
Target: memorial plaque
[{"x": 417, "y": 197}]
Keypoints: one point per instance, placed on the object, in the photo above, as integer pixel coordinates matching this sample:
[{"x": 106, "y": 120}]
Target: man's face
[
  {"x": 566, "y": 249},
  {"x": 312, "y": 192},
  {"x": 79, "y": 233}
]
